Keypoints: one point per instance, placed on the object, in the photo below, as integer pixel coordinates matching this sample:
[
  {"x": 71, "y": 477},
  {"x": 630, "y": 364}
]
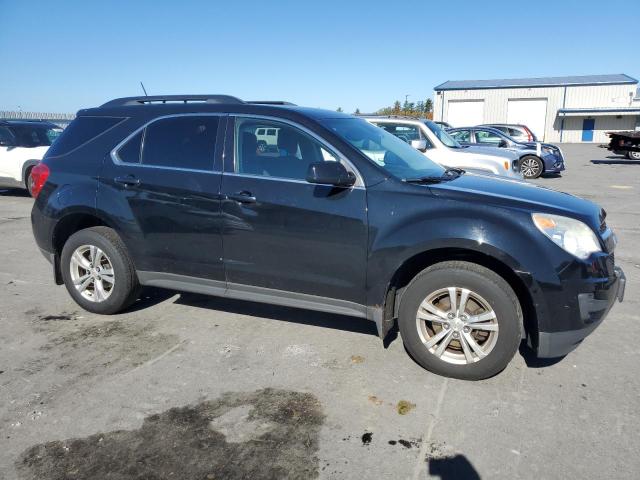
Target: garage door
[
  {"x": 532, "y": 113},
  {"x": 465, "y": 113}
]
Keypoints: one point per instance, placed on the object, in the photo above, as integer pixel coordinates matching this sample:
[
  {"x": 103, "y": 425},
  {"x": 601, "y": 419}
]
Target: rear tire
[
  {"x": 28, "y": 182},
  {"x": 491, "y": 320},
  {"x": 633, "y": 155},
  {"x": 98, "y": 272},
  {"x": 531, "y": 167}
]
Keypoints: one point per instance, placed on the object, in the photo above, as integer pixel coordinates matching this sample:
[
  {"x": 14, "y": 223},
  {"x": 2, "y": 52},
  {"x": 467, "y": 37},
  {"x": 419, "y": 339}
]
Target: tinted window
[
  {"x": 6, "y": 136},
  {"x": 183, "y": 142},
  {"x": 403, "y": 132},
  {"x": 515, "y": 133},
  {"x": 288, "y": 156},
  {"x": 130, "y": 151},
  {"x": 79, "y": 132},
  {"x": 35, "y": 135},
  {"x": 462, "y": 136},
  {"x": 271, "y": 132},
  {"x": 483, "y": 136}
]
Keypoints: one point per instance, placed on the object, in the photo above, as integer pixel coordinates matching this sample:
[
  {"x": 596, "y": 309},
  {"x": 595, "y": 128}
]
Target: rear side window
[
  {"x": 130, "y": 151},
  {"x": 181, "y": 142},
  {"x": 79, "y": 132}
]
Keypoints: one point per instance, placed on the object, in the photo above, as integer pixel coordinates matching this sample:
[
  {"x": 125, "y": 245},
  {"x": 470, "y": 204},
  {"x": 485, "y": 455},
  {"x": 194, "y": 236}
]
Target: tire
[
  {"x": 633, "y": 155},
  {"x": 262, "y": 146},
  {"x": 486, "y": 288},
  {"x": 112, "y": 296},
  {"x": 28, "y": 181},
  {"x": 531, "y": 166}
]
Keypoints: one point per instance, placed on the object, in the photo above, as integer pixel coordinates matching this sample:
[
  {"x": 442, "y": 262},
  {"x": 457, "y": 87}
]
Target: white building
[{"x": 557, "y": 109}]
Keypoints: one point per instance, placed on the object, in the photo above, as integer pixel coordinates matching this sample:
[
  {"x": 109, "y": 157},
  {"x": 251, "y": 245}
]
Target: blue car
[{"x": 535, "y": 158}]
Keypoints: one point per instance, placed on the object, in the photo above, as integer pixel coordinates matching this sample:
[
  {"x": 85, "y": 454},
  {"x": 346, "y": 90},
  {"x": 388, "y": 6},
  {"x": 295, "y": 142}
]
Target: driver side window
[{"x": 273, "y": 149}]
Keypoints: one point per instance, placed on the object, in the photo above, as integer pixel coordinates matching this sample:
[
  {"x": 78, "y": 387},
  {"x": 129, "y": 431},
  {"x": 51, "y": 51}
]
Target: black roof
[
  {"x": 175, "y": 104},
  {"x": 29, "y": 123}
]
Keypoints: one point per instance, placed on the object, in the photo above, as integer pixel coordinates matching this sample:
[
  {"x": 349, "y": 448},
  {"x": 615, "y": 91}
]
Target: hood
[
  {"x": 503, "y": 153},
  {"x": 512, "y": 193}
]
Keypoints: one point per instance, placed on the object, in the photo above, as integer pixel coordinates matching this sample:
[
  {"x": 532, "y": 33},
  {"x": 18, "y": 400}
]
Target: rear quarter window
[{"x": 79, "y": 132}]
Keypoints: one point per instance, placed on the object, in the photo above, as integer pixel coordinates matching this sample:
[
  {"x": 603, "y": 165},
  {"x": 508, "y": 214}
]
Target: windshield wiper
[{"x": 447, "y": 175}]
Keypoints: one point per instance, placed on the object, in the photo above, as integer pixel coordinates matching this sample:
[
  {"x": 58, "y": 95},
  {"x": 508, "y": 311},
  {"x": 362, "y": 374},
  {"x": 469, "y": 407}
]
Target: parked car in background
[
  {"x": 520, "y": 133},
  {"x": 434, "y": 142},
  {"x": 444, "y": 125},
  {"x": 467, "y": 265},
  {"x": 22, "y": 146},
  {"x": 535, "y": 158}
]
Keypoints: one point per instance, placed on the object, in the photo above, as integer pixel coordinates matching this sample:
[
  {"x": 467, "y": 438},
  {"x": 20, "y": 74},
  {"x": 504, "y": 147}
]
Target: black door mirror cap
[{"x": 330, "y": 173}]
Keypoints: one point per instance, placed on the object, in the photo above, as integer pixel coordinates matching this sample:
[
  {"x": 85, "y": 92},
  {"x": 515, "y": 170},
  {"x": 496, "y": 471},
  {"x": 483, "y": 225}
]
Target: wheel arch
[
  {"x": 26, "y": 167},
  {"x": 67, "y": 226},
  {"x": 418, "y": 262}
]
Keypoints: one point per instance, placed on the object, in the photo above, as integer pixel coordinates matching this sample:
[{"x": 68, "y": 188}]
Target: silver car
[
  {"x": 436, "y": 144},
  {"x": 520, "y": 133}
]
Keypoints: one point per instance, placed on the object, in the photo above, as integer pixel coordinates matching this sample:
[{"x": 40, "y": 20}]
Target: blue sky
[{"x": 60, "y": 56}]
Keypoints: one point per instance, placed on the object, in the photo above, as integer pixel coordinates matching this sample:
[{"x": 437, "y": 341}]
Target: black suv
[{"x": 338, "y": 215}]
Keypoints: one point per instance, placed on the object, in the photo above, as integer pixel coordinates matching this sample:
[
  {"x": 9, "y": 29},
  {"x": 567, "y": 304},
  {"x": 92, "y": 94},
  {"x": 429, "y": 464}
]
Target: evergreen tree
[
  {"x": 339, "y": 109},
  {"x": 357, "y": 112},
  {"x": 396, "y": 107},
  {"x": 428, "y": 105}
]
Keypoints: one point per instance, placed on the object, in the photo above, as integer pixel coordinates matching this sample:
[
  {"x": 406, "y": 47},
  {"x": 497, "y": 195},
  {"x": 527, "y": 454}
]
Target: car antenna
[{"x": 144, "y": 89}]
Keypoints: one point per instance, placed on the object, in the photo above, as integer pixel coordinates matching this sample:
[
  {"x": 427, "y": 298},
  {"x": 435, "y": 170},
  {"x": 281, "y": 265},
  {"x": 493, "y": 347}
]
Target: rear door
[
  {"x": 161, "y": 187},
  {"x": 284, "y": 236}
]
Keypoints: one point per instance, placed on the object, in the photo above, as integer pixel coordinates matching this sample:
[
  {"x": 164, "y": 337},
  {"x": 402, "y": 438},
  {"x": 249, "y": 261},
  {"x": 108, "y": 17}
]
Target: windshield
[
  {"x": 35, "y": 135},
  {"x": 394, "y": 155},
  {"x": 443, "y": 136}
]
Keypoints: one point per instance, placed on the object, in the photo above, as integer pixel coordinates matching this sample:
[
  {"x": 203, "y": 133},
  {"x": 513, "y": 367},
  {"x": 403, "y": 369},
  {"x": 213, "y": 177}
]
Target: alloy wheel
[
  {"x": 530, "y": 168},
  {"x": 457, "y": 325},
  {"x": 92, "y": 273}
]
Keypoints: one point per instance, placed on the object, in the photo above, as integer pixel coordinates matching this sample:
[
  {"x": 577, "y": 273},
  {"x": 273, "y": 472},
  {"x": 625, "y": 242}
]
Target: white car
[
  {"x": 440, "y": 147},
  {"x": 22, "y": 145}
]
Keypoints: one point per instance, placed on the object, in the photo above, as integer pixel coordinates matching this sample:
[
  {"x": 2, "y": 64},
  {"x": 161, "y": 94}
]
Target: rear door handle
[
  {"x": 242, "y": 197},
  {"x": 127, "y": 181}
]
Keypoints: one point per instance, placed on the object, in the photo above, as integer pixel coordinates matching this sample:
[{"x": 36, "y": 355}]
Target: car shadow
[
  {"x": 457, "y": 467},
  {"x": 615, "y": 161},
  {"x": 532, "y": 361},
  {"x": 13, "y": 192},
  {"x": 153, "y": 296}
]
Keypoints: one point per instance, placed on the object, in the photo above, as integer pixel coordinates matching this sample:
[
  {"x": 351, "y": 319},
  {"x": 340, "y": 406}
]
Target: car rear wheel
[
  {"x": 633, "y": 155},
  {"x": 460, "y": 320},
  {"x": 531, "y": 166},
  {"x": 98, "y": 272},
  {"x": 29, "y": 181}
]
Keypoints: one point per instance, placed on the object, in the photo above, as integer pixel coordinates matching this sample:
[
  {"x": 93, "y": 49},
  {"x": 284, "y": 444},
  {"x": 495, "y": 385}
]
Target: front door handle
[
  {"x": 242, "y": 197},
  {"x": 127, "y": 181}
]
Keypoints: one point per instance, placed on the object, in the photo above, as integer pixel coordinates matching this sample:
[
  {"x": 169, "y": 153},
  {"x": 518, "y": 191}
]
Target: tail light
[{"x": 39, "y": 175}]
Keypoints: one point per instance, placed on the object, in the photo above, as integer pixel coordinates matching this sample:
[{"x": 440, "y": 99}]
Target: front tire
[
  {"x": 460, "y": 320},
  {"x": 531, "y": 167},
  {"x": 98, "y": 272},
  {"x": 633, "y": 155}
]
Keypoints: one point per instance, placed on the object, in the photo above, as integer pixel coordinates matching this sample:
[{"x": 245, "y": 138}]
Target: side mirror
[
  {"x": 503, "y": 143},
  {"x": 419, "y": 145},
  {"x": 330, "y": 173}
]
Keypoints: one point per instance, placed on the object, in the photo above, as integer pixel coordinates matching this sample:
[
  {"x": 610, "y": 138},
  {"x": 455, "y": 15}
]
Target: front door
[
  {"x": 281, "y": 233},
  {"x": 588, "y": 124},
  {"x": 162, "y": 186}
]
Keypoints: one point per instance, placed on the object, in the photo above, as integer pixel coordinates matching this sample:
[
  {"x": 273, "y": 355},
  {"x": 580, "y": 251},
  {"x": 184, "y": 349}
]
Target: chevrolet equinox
[{"x": 175, "y": 192}]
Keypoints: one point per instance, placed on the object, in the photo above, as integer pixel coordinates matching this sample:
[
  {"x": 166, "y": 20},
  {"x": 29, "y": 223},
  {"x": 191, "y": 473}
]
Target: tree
[
  {"x": 357, "y": 112},
  {"x": 339, "y": 109},
  {"x": 396, "y": 107},
  {"x": 428, "y": 105},
  {"x": 420, "y": 108}
]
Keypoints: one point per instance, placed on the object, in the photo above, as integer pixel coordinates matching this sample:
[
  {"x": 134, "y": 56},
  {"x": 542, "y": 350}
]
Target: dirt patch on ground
[{"x": 267, "y": 434}]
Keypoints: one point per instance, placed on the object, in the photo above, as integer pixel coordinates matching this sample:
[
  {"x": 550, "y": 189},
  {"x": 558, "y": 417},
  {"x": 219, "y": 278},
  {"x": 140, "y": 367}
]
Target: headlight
[
  {"x": 571, "y": 235},
  {"x": 548, "y": 150}
]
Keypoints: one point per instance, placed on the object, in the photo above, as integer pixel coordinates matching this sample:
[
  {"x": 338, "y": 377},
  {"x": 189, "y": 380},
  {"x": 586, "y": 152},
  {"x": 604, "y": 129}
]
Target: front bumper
[
  {"x": 593, "y": 308},
  {"x": 553, "y": 163}
]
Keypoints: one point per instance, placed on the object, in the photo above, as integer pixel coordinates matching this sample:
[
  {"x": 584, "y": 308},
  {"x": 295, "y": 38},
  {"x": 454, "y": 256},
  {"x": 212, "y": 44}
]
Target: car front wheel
[
  {"x": 460, "y": 320},
  {"x": 633, "y": 155},
  {"x": 531, "y": 166},
  {"x": 98, "y": 272}
]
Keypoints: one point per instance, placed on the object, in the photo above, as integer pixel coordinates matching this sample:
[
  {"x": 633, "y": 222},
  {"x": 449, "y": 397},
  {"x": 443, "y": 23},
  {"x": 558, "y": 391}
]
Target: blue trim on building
[{"x": 583, "y": 80}]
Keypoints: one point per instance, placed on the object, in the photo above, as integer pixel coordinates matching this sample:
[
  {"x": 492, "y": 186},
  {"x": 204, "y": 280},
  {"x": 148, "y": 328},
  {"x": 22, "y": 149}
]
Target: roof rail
[
  {"x": 271, "y": 102},
  {"x": 151, "y": 99},
  {"x": 400, "y": 117}
]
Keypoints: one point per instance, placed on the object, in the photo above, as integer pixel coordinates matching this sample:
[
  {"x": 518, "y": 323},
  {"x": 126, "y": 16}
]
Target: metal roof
[
  {"x": 573, "y": 112},
  {"x": 615, "y": 79}
]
